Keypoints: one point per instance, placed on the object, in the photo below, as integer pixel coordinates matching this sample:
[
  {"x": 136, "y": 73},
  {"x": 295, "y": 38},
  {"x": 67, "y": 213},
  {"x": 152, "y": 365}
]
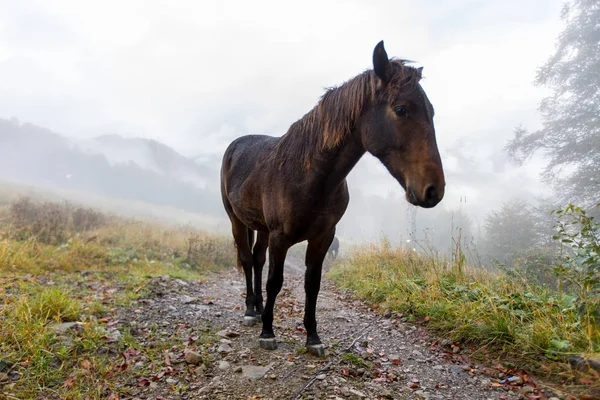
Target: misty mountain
[
  {"x": 151, "y": 155},
  {"x": 108, "y": 165}
]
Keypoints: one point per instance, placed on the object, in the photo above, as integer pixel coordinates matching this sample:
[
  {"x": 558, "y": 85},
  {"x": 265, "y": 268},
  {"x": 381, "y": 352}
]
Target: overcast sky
[{"x": 196, "y": 74}]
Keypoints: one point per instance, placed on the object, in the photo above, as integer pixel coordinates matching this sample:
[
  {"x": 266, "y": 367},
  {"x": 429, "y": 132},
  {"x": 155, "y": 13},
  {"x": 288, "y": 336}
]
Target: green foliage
[
  {"x": 571, "y": 128},
  {"x": 580, "y": 265}
]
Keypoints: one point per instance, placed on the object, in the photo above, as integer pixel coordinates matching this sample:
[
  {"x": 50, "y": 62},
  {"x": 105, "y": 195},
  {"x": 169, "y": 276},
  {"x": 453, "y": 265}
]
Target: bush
[{"x": 579, "y": 266}]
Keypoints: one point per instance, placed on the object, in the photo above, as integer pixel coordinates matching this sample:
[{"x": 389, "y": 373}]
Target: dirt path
[{"x": 367, "y": 355}]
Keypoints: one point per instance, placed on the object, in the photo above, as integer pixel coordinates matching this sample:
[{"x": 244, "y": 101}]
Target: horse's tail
[{"x": 250, "y": 239}]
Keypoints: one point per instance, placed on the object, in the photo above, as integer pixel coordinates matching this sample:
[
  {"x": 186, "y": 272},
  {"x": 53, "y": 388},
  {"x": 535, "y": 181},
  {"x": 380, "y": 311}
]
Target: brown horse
[{"x": 293, "y": 188}]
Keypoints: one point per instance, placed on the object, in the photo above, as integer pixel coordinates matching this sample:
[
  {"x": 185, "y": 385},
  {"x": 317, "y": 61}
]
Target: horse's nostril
[{"x": 430, "y": 193}]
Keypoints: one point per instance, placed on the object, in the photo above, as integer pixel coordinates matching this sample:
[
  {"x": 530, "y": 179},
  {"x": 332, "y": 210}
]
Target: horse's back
[
  {"x": 244, "y": 153},
  {"x": 241, "y": 159}
]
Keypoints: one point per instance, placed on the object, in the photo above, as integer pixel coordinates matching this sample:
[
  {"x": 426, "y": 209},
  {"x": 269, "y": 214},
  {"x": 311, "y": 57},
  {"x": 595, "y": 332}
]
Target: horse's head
[{"x": 398, "y": 130}]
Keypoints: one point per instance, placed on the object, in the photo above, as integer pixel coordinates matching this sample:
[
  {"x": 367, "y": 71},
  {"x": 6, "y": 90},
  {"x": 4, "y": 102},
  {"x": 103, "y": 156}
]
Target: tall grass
[{"x": 501, "y": 314}]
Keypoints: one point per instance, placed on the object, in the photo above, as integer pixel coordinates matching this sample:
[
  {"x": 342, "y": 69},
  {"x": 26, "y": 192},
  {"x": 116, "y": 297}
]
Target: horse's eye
[{"x": 400, "y": 111}]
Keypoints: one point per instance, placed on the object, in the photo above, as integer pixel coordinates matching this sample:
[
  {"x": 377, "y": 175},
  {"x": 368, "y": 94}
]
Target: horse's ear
[
  {"x": 381, "y": 63},
  {"x": 420, "y": 72}
]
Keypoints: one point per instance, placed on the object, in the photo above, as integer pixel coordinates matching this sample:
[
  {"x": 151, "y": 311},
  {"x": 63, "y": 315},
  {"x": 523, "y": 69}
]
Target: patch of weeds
[
  {"x": 356, "y": 361},
  {"x": 46, "y": 304}
]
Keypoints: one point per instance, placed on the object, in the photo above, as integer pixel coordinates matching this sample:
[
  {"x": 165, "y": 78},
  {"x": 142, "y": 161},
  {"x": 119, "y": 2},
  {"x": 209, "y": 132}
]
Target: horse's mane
[{"x": 330, "y": 122}]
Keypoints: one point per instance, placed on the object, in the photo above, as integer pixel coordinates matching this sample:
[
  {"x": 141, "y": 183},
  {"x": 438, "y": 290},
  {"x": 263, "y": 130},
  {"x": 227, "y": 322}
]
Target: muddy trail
[{"x": 368, "y": 355}]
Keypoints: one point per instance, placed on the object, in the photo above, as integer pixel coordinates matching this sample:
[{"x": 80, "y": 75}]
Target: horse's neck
[{"x": 334, "y": 166}]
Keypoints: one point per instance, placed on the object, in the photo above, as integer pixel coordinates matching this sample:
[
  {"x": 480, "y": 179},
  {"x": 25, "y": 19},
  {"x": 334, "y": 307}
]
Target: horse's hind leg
[
  {"x": 243, "y": 238},
  {"x": 259, "y": 255},
  {"x": 315, "y": 255},
  {"x": 278, "y": 247}
]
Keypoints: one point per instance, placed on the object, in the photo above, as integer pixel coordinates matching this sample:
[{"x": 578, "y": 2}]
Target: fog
[{"x": 137, "y": 100}]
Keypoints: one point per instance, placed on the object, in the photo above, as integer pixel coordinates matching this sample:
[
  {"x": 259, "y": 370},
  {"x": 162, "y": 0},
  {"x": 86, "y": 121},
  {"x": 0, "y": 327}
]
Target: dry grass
[{"x": 61, "y": 263}]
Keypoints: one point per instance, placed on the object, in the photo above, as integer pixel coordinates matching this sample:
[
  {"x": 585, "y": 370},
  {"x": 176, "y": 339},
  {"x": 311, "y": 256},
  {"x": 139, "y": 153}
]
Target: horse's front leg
[
  {"x": 315, "y": 255},
  {"x": 278, "y": 247}
]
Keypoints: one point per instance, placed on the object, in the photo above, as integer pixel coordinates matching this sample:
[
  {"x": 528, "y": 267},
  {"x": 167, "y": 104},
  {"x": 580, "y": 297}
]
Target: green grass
[
  {"x": 502, "y": 316},
  {"x": 83, "y": 275}
]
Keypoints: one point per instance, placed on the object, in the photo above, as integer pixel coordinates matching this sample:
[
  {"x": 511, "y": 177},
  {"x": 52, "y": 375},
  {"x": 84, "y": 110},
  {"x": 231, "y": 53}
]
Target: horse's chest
[{"x": 310, "y": 221}]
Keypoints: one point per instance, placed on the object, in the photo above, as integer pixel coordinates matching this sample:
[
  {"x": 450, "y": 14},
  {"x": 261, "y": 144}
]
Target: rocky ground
[{"x": 211, "y": 355}]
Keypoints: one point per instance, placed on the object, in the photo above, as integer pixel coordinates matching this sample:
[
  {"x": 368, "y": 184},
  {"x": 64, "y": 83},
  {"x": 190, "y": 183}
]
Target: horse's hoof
[
  {"x": 249, "y": 321},
  {"x": 267, "y": 344},
  {"x": 316, "y": 349}
]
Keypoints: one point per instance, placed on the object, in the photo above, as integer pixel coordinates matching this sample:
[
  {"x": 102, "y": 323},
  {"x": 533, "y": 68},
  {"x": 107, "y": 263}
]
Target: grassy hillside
[{"x": 64, "y": 269}]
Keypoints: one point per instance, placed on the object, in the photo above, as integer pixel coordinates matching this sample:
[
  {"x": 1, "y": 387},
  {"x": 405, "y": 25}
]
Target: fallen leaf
[
  {"x": 121, "y": 367},
  {"x": 114, "y": 396},
  {"x": 586, "y": 381},
  {"x": 129, "y": 353},
  {"x": 427, "y": 318},
  {"x": 85, "y": 364},
  {"x": 144, "y": 382},
  {"x": 69, "y": 382}
]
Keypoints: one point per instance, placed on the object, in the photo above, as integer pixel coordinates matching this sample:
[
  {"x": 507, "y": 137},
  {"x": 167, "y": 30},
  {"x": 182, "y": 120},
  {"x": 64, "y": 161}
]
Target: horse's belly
[{"x": 252, "y": 218}]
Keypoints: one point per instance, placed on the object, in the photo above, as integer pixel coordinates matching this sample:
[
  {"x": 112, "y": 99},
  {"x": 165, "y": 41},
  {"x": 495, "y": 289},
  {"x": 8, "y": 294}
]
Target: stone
[
  {"x": 65, "y": 327},
  {"x": 357, "y": 393},
  {"x": 191, "y": 357},
  {"x": 224, "y": 348},
  {"x": 526, "y": 389},
  {"x": 185, "y": 299},
  {"x": 255, "y": 373},
  {"x": 321, "y": 377},
  {"x": 223, "y": 365}
]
